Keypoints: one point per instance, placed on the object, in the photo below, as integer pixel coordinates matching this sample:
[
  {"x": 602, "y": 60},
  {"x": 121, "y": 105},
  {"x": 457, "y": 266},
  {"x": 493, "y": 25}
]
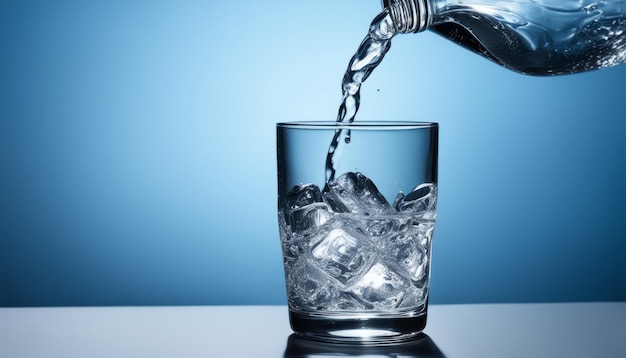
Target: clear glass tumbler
[{"x": 356, "y": 235}]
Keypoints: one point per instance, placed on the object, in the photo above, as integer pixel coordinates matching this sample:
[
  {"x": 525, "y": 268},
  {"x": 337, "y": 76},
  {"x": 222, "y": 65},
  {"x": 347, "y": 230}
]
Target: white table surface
[{"x": 481, "y": 330}]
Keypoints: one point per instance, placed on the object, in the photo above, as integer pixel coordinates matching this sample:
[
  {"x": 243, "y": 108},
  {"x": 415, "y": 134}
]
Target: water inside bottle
[{"x": 540, "y": 37}]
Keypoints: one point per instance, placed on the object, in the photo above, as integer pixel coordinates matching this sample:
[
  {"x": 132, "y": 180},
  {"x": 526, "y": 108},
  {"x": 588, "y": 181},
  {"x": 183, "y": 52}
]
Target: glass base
[{"x": 369, "y": 329}]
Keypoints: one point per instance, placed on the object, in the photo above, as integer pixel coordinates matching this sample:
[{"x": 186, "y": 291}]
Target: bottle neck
[{"x": 409, "y": 15}]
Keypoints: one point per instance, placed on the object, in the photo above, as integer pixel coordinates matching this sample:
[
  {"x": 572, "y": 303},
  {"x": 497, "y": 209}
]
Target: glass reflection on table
[{"x": 421, "y": 347}]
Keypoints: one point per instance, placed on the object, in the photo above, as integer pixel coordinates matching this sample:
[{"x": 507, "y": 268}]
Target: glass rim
[{"x": 358, "y": 125}]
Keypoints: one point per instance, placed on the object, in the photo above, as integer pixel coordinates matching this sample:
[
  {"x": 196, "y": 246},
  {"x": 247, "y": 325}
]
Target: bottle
[{"x": 535, "y": 37}]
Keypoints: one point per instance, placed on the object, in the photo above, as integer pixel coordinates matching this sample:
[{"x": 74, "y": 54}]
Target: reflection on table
[{"x": 421, "y": 347}]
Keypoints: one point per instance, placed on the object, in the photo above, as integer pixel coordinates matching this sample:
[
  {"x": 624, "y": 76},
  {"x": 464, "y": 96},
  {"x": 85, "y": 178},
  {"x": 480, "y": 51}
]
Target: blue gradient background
[{"x": 137, "y": 154}]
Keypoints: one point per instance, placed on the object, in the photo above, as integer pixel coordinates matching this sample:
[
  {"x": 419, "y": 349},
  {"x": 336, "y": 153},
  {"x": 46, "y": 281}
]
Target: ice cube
[
  {"x": 410, "y": 256},
  {"x": 341, "y": 200},
  {"x": 410, "y": 250},
  {"x": 342, "y": 256},
  {"x": 302, "y": 195},
  {"x": 381, "y": 227},
  {"x": 422, "y": 200},
  {"x": 368, "y": 193},
  {"x": 309, "y": 217},
  {"x": 355, "y": 193},
  {"x": 383, "y": 286},
  {"x": 308, "y": 288}
]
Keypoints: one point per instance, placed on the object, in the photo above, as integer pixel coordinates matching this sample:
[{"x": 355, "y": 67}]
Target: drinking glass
[{"x": 356, "y": 210}]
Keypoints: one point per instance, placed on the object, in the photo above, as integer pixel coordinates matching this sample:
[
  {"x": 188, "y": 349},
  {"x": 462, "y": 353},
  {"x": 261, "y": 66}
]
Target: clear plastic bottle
[{"x": 536, "y": 37}]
